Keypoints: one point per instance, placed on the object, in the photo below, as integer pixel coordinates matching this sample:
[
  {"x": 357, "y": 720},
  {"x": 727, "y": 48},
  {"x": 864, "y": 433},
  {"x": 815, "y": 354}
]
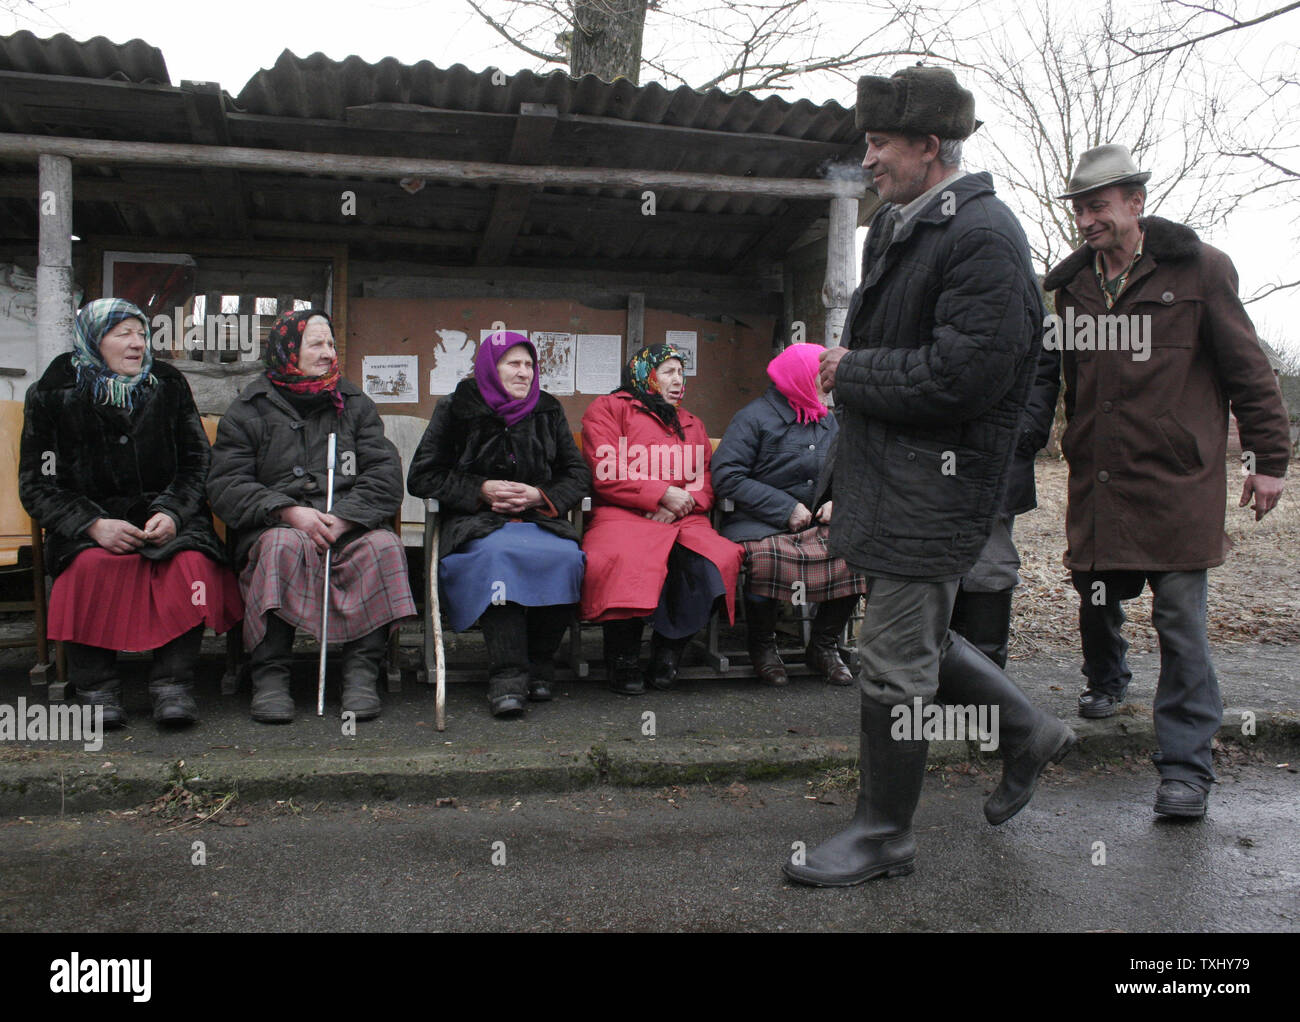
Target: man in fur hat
[
  {"x": 931, "y": 379},
  {"x": 1155, "y": 346}
]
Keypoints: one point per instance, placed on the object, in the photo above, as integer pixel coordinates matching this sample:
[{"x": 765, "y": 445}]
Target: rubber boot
[
  {"x": 878, "y": 840},
  {"x": 270, "y": 660},
  {"x": 665, "y": 660},
  {"x": 93, "y": 672},
  {"x": 171, "y": 680},
  {"x": 984, "y": 620},
  {"x": 362, "y": 661},
  {"x": 1028, "y": 738},
  {"x": 505, "y": 634},
  {"x": 546, "y": 628},
  {"x": 622, "y": 640},
  {"x": 761, "y": 621},
  {"x": 823, "y": 653}
]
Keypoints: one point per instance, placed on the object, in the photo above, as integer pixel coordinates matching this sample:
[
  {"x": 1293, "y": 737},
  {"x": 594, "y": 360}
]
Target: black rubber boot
[
  {"x": 505, "y": 634},
  {"x": 622, "y": 640},
  {"x": 760, "y": 618},
  {"x": 984, "y": 620},
  {"x": 546, "y": 628},
  {"x": 93, "y": 672},
  {"x": 878, "y": 841},
  {"x": 171, "y": 680},
  {"x": 362, "y": 660},
  {"x": 1028, "y": 738},
  {"x": 823, "y": 653},
  {"x": 270, "y": 660},
  {"x": 665, "y": 660}
]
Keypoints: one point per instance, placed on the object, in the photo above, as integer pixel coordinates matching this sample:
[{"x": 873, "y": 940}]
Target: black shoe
[
  {"x": 763, "y": 657},
  {"x": 93, "y": 673},
  {"x": 171, "y": 680},
  {"x": 1095, "y": 705},
  {"x": 878, "y": 842},
  {"x": 271, "y": 659},
  {"x": 823, "y": 653},
  {"x": 362, "y": 659},
  {"x": 624, "y": 676},
  {"x": 665, "y": 661},
  {"x": 508, "y": 693},
  {"x": 1028, "y": 738},
  {"x": 1178, "y": 798},
  {"x": 540, "y": 679}
]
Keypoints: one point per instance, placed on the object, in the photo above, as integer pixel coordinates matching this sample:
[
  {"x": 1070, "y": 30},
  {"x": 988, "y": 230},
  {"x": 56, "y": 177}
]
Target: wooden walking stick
[{"x": 325, "y": 595}]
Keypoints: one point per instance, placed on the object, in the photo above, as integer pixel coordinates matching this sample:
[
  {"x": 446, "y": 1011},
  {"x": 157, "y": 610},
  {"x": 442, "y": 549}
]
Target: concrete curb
[{"x": 34, "y": 782}]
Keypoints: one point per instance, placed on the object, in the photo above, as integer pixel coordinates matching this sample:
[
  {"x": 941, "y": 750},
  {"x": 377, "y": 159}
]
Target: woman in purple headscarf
[{"x": 501, "y": 461}]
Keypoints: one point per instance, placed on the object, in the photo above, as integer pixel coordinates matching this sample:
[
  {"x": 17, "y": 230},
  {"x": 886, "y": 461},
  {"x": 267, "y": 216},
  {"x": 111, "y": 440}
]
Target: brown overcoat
[{"x": 1146, "y": 438}]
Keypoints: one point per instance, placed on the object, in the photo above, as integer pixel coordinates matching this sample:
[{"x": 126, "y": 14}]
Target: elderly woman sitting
[
  {"x": 269, "y": 483},
  {"x": 500, "y": 459},
  {"x": 650, "y": 548},
  {"x": 773, "y": 464},
  {"x": 113, "y": 463}
]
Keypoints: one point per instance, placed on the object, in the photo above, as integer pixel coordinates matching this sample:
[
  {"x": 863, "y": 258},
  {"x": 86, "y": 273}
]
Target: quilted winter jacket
[
  {"x": 268, "y": 456},
  {"x": 943, "y": 334},
  {"x": 108, "y": 464}
]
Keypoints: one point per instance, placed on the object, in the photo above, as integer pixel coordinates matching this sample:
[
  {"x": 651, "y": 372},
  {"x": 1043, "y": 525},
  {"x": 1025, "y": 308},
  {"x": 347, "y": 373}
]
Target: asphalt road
[{"x": 696, "y": 859}]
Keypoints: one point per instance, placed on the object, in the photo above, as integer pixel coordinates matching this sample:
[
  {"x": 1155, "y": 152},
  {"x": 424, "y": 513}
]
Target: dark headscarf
[
  {"x": 639, "y": 381},
  {"x": 490, "y": 351},
  {"x": 283, "y": 345},
  {"x": 104, "y": 386}
]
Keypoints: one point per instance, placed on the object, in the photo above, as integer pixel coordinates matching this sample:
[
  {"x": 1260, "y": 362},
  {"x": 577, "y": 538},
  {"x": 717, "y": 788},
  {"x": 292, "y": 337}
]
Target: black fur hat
[{"x": 916, "y": 101}]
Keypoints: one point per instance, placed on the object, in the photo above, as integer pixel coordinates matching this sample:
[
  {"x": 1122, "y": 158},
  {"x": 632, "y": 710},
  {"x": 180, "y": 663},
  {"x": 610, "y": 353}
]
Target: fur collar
[{"x": 1166, "y": 241}]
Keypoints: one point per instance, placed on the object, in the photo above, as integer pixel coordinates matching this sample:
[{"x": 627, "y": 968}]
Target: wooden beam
[
  {"x": 173, "y": 154},
  {"x": 840, "y": 267},
  {"x": 54, "y": 314},
  {"x": 207, "y": 117},
  {"x": 635, "y": 324},
  {"x": 783, "y": 231},
  {"x": 363, "y": 233},
  {"x": 531, "y": 145}
]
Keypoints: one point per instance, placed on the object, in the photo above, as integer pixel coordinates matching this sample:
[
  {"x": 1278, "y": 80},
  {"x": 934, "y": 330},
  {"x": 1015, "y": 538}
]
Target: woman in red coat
[{"x": 650, "y": 549}]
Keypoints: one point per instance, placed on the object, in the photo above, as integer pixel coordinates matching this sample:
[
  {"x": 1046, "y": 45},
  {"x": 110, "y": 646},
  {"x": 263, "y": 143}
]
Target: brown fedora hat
[{"x": 1102, "y": 167}]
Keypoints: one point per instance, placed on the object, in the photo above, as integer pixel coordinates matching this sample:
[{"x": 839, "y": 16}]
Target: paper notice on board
[
  {"x": 391, "y": 379},
  {"x": 555, "y": 361},
  {"x": 687, "y": 341},
  {"x": 453, "y": 360},
  {"x": 600, "y": 362}
]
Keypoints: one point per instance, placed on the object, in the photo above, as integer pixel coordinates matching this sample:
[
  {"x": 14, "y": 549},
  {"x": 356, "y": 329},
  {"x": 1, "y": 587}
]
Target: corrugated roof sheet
[
  {"x": 320, "y": 87},
  {"x": 135, "y": 61}
]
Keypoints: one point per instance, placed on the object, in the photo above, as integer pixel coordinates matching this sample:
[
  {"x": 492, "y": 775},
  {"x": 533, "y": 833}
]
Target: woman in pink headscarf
[{"x": 774, "y": 463}]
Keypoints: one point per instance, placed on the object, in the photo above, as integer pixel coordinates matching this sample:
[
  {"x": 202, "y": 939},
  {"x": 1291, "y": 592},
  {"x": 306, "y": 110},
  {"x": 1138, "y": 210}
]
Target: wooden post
[
  {"x": 635, "y": 323},
  {"x": 54, "y": 313},
  {"x": 839, "y": 282}
]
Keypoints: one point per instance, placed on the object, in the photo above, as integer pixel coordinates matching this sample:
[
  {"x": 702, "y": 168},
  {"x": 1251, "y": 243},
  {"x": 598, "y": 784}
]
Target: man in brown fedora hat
[
  {"x": 1155, "y": 348},
  {"x": 931, "y": 379}
]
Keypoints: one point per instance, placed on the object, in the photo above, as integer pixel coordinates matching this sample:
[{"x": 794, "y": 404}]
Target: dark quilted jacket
[
  {"x": 467, "y": 443},
  {"x": 943, "y": 333},
  {"x": 108, "y": 464}
]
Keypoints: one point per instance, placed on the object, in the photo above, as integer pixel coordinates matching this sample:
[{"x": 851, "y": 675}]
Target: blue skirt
[{"x": 519, "y": 563}]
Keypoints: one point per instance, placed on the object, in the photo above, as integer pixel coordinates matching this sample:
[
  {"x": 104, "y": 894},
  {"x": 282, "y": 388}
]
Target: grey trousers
[
  {"x": 903, "y": 637},
  {"x": 1188, "y": 707}
]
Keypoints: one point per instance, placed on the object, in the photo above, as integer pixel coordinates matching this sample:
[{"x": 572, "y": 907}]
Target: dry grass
[{"x": 1254, "y": 595}]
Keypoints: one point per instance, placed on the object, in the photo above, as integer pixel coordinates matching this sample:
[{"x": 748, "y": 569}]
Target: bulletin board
[{"x": 405, "y": 334}]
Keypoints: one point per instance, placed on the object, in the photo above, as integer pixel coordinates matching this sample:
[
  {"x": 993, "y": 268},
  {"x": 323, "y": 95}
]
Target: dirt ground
[{"x": 1254, "y": 595}]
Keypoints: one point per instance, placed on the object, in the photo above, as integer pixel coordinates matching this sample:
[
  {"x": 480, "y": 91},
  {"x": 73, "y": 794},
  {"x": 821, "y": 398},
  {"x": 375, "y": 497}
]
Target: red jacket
[{"x": 634, "y": 458}]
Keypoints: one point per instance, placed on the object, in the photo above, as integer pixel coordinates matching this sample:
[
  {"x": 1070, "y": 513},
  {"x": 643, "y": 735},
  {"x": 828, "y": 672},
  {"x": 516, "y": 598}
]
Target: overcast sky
[{"x": 229, "y": 43}]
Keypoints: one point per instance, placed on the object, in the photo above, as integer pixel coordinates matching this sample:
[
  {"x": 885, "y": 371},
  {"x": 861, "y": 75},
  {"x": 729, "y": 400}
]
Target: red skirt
[{"x": 127, "y": 602}]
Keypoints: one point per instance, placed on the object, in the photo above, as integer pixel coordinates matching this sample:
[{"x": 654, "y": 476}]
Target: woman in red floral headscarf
[{"x": 269, "y": 483}]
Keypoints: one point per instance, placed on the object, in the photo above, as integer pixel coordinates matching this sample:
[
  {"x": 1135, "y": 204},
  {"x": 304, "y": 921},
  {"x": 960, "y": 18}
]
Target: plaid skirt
[
  {"x": 285, "y": 573},
  {"x": 787, "y": 563}
]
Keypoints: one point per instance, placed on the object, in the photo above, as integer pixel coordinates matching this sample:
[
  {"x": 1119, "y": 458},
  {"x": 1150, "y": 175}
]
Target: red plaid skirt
[
  {"x": 781, "y": 565},
  {"x": 128, "y": 602},
  {"x": 285, "y": 573}
]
